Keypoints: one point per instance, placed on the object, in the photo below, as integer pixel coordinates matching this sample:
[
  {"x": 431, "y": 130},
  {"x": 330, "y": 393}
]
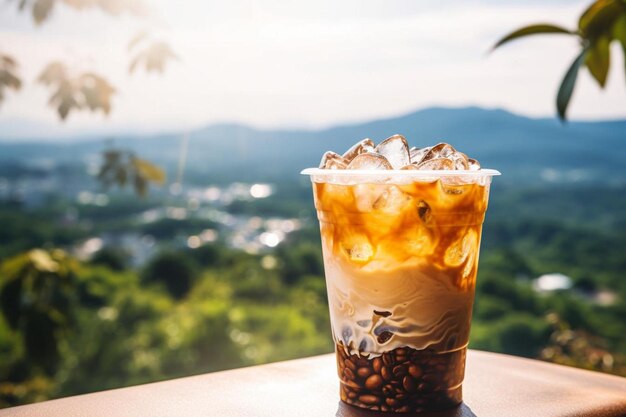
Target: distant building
[{"x": 552, "y": 282}]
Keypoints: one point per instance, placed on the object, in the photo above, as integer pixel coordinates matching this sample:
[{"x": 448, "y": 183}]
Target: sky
[{"x": 286, "y": 64}]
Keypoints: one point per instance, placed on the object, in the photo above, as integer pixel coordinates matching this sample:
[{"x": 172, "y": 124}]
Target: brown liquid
[{"x": 401, "y": 263}]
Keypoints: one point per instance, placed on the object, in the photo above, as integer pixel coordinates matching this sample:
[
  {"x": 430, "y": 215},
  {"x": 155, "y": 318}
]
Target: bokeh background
[{"x": 153, "y": 223}]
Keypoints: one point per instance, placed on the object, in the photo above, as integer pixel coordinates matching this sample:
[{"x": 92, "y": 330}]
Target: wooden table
[{"x": 495, "y": 385}]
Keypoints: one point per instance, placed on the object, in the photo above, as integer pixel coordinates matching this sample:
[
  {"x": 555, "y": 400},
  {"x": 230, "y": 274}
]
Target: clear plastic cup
[{"x": 400, "y": 257}]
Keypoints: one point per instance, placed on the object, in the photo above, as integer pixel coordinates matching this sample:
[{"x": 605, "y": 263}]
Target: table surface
[{"x": 495, "y": 385}]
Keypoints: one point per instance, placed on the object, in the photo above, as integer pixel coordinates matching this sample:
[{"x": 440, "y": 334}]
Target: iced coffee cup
[{"x": 400, "y": 232}]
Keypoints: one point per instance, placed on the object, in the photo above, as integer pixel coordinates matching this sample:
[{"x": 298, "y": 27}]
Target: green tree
[{"x": 175, "y": 271}]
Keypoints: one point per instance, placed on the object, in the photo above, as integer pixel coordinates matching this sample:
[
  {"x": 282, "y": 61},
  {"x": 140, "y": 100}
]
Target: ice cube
[
  {"x": 440, "y": 150},
  {"x": 417, "y": 155},
  {"x": 436, "y": 164},
  {"x": 360, "y": 252},
  {"x": 369, "y": 161},
  {"x": 392, "y": 199},
  {"x": 457, "y": 252},
  {"x": 473, "y": 164},
  {"x": 460, "y": 160},
  {"x": 396, "y": 150},
  {"x": 331, "y": 160},
  {"x": 364, "y": 146}
]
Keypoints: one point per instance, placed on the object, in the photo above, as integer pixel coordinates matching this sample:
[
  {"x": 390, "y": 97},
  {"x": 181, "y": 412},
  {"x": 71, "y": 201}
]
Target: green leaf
[
  {"x": 599, "y": 18},
  {"x": 567, "y": 85},
  {"x": 619, "y": 33},
  {"x": 599, "y": 58},
  {"x": 532, "y": 30},
  {"x": 149, "y": 171},
  {"x": 141, "y": 186}
]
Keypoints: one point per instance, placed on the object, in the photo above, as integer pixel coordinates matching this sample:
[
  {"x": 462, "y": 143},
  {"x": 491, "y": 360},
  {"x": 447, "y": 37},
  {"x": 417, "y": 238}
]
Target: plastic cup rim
[{"x": 411, "y": 173}]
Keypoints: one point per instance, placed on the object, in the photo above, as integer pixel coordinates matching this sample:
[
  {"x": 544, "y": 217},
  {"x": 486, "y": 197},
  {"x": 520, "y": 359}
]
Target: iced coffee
[{"x": 400, "y": 231}]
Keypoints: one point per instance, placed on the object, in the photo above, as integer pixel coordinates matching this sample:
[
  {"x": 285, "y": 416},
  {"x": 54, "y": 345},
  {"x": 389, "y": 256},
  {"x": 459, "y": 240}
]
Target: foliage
[
  {"x": 36, "y": 299},
  {"x": 153, "y": 56},
  {"x": 8, "y": 75},
  {"x": 176, "y": 271},
  {"x": 603, "y": 22},
  {"x": 121, "y": 167},
  {"x": 580, "y": 348},
  {"x": 89, "y": 91},
  {"x": 41, "y": 10},
  {"x": 85, "y": 91}
]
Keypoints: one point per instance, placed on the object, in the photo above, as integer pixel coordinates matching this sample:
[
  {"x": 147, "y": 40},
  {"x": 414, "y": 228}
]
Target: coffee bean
[
  {"x": 387, "y": 359},
  {"x": 399, "y": 370},
  {"x": 363, "y": 372},
  {"x": 351, "y": 384},
  {"x": 424, "y": 387},
  {"x": 388, "y": 390},
  {"x": 386, "y": 374},
  {"x": 401, "y": 352},
  {"x": 377, "y": 364},
  {"x": 350, "y": 364},
  {"x": 347, "y": 372},
  {"x": 384, "y": 408},
  {"x": 369, "y": 399},
  {"x": 408, "y": 383},
  {"x": 430, "y": 378},
  {"x": 361, "y": 361},
  {"x": 352, "y": 394},
  {"x": 374, "y": 382},
  {"x": 415, "y": 371},
  {"x": 391, "y": 401},
  {"x": 403, "y": 409}
]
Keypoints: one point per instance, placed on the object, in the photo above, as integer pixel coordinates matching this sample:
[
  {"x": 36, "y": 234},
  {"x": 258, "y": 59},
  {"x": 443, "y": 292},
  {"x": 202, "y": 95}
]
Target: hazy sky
[{"x": 283, "y": 63}]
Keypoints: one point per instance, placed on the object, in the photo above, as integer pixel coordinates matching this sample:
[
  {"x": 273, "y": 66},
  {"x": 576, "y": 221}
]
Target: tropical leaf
[
  {"x": 567, "y": 85},
  {"x": 619, "y": 33},
  {"x": 599, "y": 18},
  {"x": 538, "y": 29},
  {"x": 599, "y": 58}
]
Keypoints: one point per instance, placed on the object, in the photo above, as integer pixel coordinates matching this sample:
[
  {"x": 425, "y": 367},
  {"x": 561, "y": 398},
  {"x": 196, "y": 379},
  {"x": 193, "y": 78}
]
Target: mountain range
[{"x": 524, "y": 149}]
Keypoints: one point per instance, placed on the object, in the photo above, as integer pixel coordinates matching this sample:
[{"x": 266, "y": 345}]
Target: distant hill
[{"x": 524, "y": 149}]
